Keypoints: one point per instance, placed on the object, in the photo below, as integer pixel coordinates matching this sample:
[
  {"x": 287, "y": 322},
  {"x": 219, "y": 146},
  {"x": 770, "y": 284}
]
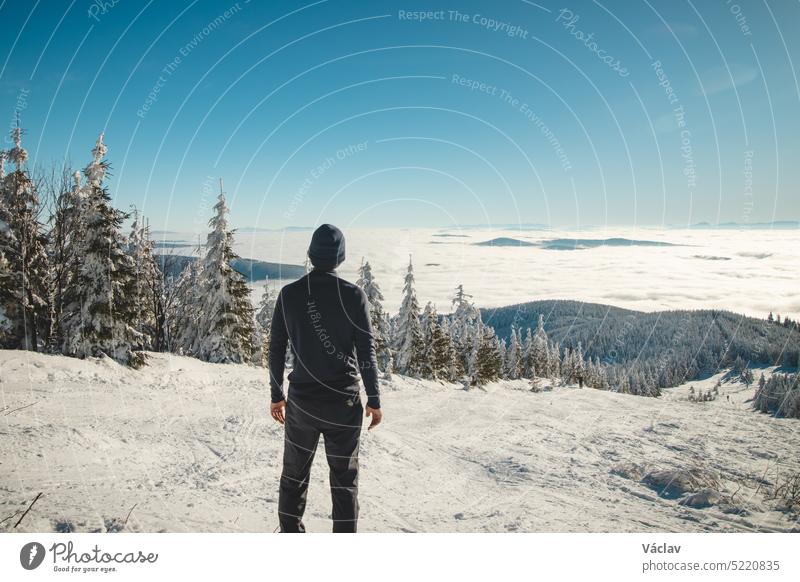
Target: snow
[{"x": 192, "y": 445}]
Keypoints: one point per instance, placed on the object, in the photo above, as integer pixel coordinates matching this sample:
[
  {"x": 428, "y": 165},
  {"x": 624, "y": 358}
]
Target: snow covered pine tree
[
  {"x": 263, "y": 323},
  {"x": 66, "y": 230},
  {"x": 513, "y": 359},
  {"x": 410, "y": 342},
  {"x": 225, "y": 323},
  {"x": 487, "y": 360},
  {"x": 378, "y": 319},
  {"x": 148, "y": 287},
  {"x": 463, "y": 329},
  {"x": 24, "y": 305},
  {"x": 439, "y": 352},
  {"x": 99, "y": 312}
]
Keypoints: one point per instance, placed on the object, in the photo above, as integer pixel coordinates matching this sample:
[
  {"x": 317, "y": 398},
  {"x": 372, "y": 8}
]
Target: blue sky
[{"x": 361, "y": 113}]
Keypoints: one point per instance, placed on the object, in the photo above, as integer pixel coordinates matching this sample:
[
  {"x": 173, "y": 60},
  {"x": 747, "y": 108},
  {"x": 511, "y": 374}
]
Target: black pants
[{"x": 339, "y": 422}]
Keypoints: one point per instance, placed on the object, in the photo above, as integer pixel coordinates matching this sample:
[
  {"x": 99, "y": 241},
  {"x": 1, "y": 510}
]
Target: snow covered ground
[{"x": 190, "y": 447}]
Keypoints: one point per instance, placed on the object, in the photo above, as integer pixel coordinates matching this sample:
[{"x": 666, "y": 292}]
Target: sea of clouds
[{"x": 746, "y": 271}]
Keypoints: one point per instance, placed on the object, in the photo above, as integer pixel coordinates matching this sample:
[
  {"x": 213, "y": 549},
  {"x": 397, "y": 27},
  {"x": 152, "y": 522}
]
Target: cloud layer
[{"x": 760, "y": 275}]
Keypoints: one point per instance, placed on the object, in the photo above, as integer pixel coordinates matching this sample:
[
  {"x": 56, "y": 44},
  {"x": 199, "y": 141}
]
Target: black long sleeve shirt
[{"x": 325, "y": 322}]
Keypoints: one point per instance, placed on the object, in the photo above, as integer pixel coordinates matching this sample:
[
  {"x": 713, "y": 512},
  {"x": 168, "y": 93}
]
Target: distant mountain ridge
[
  {"x": 775, "y": 224},
  {"x": 505, "y": 242},
  {"x": 571, "y": 244},
  {"x": 251, "y": 269}
]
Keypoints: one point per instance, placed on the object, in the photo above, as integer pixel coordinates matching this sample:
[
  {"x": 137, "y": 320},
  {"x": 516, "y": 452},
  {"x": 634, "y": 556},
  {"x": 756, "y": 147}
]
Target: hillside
[
  {"x": 681, "y": 344},
  {"x": 192, "y": 447}
]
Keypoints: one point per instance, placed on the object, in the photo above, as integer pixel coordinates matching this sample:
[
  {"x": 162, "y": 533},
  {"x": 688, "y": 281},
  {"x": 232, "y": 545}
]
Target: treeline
[
  {"x": 462, "y": 347},
  {"x": 666, "y": 348},
  {"x": 786, "y": 322}
]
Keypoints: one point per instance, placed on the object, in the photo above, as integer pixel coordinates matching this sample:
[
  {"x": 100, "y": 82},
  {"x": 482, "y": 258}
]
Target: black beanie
[{"x": 326, "y": 250}]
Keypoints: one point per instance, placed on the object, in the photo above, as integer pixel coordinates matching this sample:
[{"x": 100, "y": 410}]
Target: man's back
[{"x": 325, "y": 322}]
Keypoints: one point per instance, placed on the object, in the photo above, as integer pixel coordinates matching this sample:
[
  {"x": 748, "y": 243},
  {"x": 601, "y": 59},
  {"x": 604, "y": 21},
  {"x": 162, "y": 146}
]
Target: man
[{"x": 325, "y": 321}]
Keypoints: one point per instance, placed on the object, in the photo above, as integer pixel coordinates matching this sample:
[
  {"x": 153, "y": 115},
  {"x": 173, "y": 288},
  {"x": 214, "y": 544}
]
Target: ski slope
[{"x": 189, "y": 446}]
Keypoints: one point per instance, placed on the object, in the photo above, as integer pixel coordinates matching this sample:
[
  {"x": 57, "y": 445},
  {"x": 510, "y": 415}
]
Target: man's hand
[
  {"x": 276, "y": 409},
  {"x": 376, "y": 415}
]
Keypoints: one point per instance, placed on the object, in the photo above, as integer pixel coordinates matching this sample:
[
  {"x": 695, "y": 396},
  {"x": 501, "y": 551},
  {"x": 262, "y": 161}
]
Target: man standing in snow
[{"x": 325, "y": 321}]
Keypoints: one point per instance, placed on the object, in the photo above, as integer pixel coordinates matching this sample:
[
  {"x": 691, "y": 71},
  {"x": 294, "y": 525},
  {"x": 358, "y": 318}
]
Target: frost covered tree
[
  {"x": 503, "y": 360},
  {"x": 595, "y": 376},
  {"x": 573, "y": 368},
  {"x": 66, "y": 230},
  {"x": 439, "y": 353},
  {"x": 780, "y": 395},
  {"x": 6, "y": 295},
  {"x": 410, "y": 346},
  {"x": 6, "y": 327},
  {"x": 527, "y": 351},
  {"x": 539, "y": 349},
  {"x": 25, "y": 307},
  {"x": 428, "y": 329},
  {"x": 263, "y": 324},
  {"x": 378, "y": 319},
  {"x": 567, "y": 366},
  {"x": 579, "y": 365},
  {"x": 513, "y": 357},
  {"x": 99, "y": 312},
  {"x": 148, "y": 287},
  {"x": 487, "y": 360},
  {"x": 183, "y": 312},
  {"x": 225, "y": 318},
  {"x": 553, "y": 360},
  {"x": 464, "y": 323},
  {"x": 447, "y": 354}
]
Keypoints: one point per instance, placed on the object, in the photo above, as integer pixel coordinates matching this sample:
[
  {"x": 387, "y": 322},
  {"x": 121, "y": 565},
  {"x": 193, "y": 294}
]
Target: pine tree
[
  {"x": 567, "y": 366},
  {"x": 380, "y": 327},
  {"x": 428, "y": 325},
  {"x": 528, "y": 369},
  {"x": 66, "y": 231},
  {"x": 148, "y": 289},
  {"x": 6, "y": 295},
  {"x": 579, "y": 365},
  {"x": 463, "y": 329},
  {"x": 225, "y": 326},
  {"x": 439, "y": 351},
  {"x": 6, "y": 326},
  {"x": 263, "y": 324},
  {"x": 488, "y": 360},
  {"x": 26, "y": 306},
  {"x": 553, "y": 360},
  {"x": 99, "y": 313},
  {"x": 449, "y": 355},
  {"x": 410, "y": 342},
  {"x": 183, "y": 313},
  {"x": 502, "y": 349},
  {"x": 514, "y": 363},
  {"x": 539, "y": 349}
]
